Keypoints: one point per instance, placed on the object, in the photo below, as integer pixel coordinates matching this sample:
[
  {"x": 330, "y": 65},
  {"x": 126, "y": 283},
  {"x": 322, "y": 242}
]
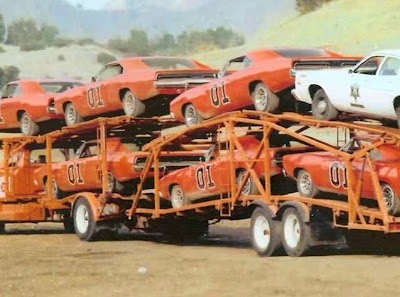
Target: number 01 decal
[
  {"x": 74, "y": 173},
  {"x": 94, "y": 97},
  {"x": 338, "y": 174},
  {"x": 218, "y": 95},
  {"x": 203, "y": 177}
]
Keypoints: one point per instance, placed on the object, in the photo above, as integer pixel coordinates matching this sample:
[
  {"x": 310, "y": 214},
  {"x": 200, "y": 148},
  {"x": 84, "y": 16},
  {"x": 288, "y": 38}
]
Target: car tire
[
  {"x": 192, "y": 116},
  {"x": 249, "y": 188},
  {"x": 57, "y": 192},
  {"x": 296, "y": 233},
  {"x": 71, "y": 115},
  {"x": 265, "y": 232},
  {"x": 305, "y": 184},
  {"x": 84, "y": 221},
  {"x": 28, "y": 126},
  {"x": 264, "y": 99},
  {"x": 178, "y": 197},
  {"x": 114, "y": 186},
  {"x": 131, "y": 105},
  {"x": 391, "y": 199},
  {"x": 322, "y": 107}
]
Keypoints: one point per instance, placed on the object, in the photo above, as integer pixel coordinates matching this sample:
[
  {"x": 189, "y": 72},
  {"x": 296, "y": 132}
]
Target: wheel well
[
  {"x": 19, "y": 114},
  {"x": 296, "y": 171},
  {"x": 313, "y": 89},
  {"x": 45, "y": 179},
  {"x": 252, "y": 85},
  {"x": 65, "y": 104},
  {"x": 171, "y": 186},
  {"x": 396, "y": 102},
  {"x": 122, "y": 93},
  {"x": 184, "y": 107}
]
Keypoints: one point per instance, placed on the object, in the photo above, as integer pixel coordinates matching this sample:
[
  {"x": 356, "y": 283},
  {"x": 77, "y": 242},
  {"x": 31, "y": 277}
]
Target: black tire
[
  {"x": 265, "y": 233},
  {"x": 391, "y": 199},
  {"x": 69, "y": 226},
  {"x": 57, "y": 192},
  {"x": 28, "y": 126},
  {"x": 84, "y": 222},
  {"x": 192, "y": 116},
  {"x": 296, "y": 234},
  {"x": 2, "y": 228},
  {"x": 305, "y": 184},
  {"x": 250, "y": 187},
  {"x": 131, "y": 105},
  {"x": 264, "y": 99},
  {"x": 322, "y": 107},
  {"x": 178, "y": 197},
  {"x": 71, "y": 115}
]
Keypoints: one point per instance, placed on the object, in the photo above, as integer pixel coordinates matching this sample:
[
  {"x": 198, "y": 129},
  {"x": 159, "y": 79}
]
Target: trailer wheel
[
  {"x": 249, "y": 188},
  {"x": 178, "y": 197},
  {"x": 28, "y": 126},
  {"x": 132, "y": 106},
  {"x": 296, "y": 234},
  {"x": 71, "y": 115},
  {"x": 265, "y": 233},
  {"x": 192, "y": 116},
  {"x": 264, "y": 99},
  {"x": 391, "y": 199},
  {"x": 322, "y": 107},
  {"x": 84, "y": 222},
  {"x": 305, "y": 184}
]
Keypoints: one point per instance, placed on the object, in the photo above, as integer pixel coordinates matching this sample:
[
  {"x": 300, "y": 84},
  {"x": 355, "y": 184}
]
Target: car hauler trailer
[{"x": 278, "y": 214}]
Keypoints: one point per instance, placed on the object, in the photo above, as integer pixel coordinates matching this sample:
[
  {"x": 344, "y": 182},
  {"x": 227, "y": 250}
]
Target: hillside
[{"x": 348, "y": 26}]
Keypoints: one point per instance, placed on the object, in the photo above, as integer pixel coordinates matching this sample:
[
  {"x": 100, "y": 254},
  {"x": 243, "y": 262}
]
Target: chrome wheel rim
[
  {"x": 262, "y": 232},
  {"x": 190, "y": 116},
  {"x": 110, "y": 182},
  {"x": 322, "y": 106},
  {"x": 261, "y": 99},
  {"x": 305, "y": 184},
  {"x": 82, "y": 218},
  {"x": 292, "y": 231},
  {"x": 54, "y": 188},
  {"x": 177, "y": 199},
  {"x": 129, "y": 104},
  {"x": 247, "y": 186},
  {"x": 388, "y": 196},
  {"x": 70, "y": 115},
  {"x": 25, "y": 124}
]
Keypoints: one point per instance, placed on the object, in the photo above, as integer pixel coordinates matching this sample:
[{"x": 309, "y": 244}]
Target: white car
[{"x": 370, "y": 89}]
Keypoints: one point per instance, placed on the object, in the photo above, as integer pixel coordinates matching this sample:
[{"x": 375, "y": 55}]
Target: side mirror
[
  {"x": 93, "y": 78},
  {"x": 350, "y": 71}
]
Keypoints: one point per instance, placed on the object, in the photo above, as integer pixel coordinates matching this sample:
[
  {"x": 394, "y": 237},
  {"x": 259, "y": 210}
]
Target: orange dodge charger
[
  {"x": 138, "y": 86},
  {"x": 260, "y": 78}
]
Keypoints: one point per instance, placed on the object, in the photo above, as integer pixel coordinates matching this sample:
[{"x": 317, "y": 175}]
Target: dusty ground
[{"x": 43, "y": 261}]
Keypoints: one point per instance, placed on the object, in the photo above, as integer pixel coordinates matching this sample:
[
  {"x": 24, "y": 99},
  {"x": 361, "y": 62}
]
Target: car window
[
  {"x": 88, "y": 150},
  {"x": 11, "y": 90},
  {"x": 58, "y": 87},
  {"x": 390, "y": 67},
  {"x": 110, "y": 71},
  {"x": 236, "y": 64},
  {"x": 169, "y": 63},
  {"x": 370, "y": 66}
]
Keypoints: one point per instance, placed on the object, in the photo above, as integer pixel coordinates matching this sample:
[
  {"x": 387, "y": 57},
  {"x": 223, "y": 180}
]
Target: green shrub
[
  {"x": 62, "y": 42},
  {"x": 104, "y": 58},
  {"x": 32, "y": 45},
  {"x": 60, "y": 58}
]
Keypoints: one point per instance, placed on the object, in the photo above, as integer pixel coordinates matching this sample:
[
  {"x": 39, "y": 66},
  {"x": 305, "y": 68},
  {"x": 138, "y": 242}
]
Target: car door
[
  {"x": 86, "y": 167},
  {"x": 10, "y": 97}
]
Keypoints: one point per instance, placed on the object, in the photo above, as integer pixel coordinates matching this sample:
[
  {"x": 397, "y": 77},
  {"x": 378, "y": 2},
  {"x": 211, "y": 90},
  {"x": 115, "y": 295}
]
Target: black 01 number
[
  {"x": 94, "y": 97},
  {"x": 218, "y": 95},
  {"x": 338, "y": 174},
  {"x": 74, "y": 173},
  {"x": 204, "y": 178}
]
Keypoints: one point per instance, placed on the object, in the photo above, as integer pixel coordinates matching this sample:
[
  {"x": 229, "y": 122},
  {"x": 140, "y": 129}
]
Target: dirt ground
[{"x": 41, "y": 260}]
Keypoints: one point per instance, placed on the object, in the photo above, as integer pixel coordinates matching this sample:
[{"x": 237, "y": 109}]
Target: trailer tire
[
  {"x": 305, "y": 184},
  {"x": 131, "y": 105},
  {"x": 264, "y": 99},
  {"x": 322, "y": 107},
  {"x": 265, "y": 232},
  {"x": 296, "y": 233},
  {"x": 71, "y": 115},
  {"x": 178, "y": 197},
  {"x": 28, "y": 126},
  {"x": 192, "y": 116},
  {"x": 391, "y": 199},
  {"x": 84, "y": 221}
]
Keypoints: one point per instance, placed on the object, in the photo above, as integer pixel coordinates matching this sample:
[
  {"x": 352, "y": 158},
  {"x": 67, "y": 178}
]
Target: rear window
[
  {"x": 305, "y": 52},
  {"x": 58, "y": 87},
  {"x": 169, "y": 63}
]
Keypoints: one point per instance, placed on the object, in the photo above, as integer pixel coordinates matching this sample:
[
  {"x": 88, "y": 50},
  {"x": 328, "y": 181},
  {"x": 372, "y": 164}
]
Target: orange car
[
  {"x": 26, "y": 104},
  {"x": 138, "y": 86},
  {"x": 210, "y": 178},
  {"x": 125, "y": 164},
  {"x": 262, "y": 79}
]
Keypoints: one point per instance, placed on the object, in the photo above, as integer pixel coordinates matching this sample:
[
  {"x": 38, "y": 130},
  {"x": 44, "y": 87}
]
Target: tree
[
  {"x": 139, "y": 42},
  {"x": 305, "y": 6},
  {"x": 8, "y": 73},
  {"x": 2, "y": 29},
  {"x": 21, "y": 31},
  {"x": 48, "y": 34}
]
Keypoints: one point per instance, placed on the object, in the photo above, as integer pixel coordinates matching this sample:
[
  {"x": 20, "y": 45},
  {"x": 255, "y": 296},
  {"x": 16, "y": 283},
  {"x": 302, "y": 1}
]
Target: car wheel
[
  {"x": 296, "y": 234},
  {"x": 132, "y": 106},
  {"x": 192, "y": 117},
  {"x": 56, "y": 191},
  {"x": 322, "y": 107},
  {"x": 249, "y": 188},
  {"x": 305, "y": 185},
  {"x": 178, "y": 197},
  {"x": 113, "y": 184},
  {"x": 84, "y": 222},
  {"x": 71, "y": 115},
  {"x": 264, "y": 99},
  {"x": 265, "y": 232},
  {"x": 391, "y": 199},
  {"x": 28, "y": 126}
]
